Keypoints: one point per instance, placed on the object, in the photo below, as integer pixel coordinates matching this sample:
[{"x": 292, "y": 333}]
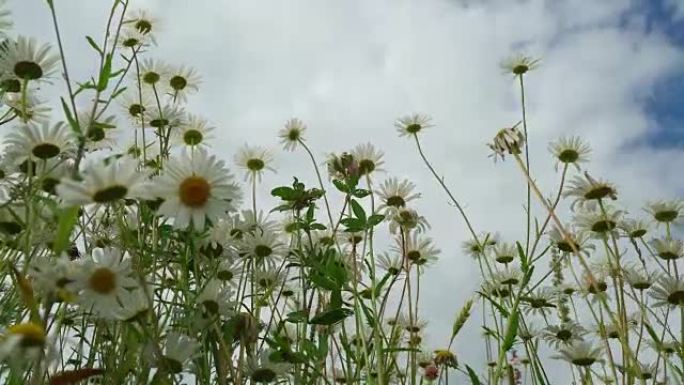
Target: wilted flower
[{"x": 508, "y": 140}]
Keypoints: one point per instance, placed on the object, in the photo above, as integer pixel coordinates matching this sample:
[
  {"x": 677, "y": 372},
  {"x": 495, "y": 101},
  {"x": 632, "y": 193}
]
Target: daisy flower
[
  {"x": 22, "y": 343},
  {"x": 292, "y": 134},
  {"x": 168, "y": 116},
  {"x": 229, "y": 272},
  {"x": 268, "y": 279},
  {"x": 407, "y": 219},
  {"x": 633, "y": 228},
  {"x": 5, "y": 18},
  {"x": 342, "y": 166},
  {"x": 638, "y": 277},
  {"x": 395, "y": 194},
  {"x": 29, "y": 108},
  {"x": 152, "y": 72},
  {"x": 505, "y": 252},
  {"x": 392, "y": 264},
  {"x": 254, "y": 160},
  {"x": 578, "y": 240},
  {"x": 40, "y": 141},
  {"x": 196, "y": 187},
  {"x": 597, "y": 224},
  {"x": 131, "y": 38},
  {"x": 519, "y": 64},
  {"x": 178, "y": 350},
  {"x": 572, "y": 150},
  {"x": 540, "y": 301},
  {"x": 563, "y": 334},
  {"x": 507, "y": 277},
  {"x": 143, "y": 22},
  {"x": 476, "y": 249},
  {"x": 216, "y": 299},
  {"x": 581, "y": 353},
  {"x": 666, "y": 211},
  {"x": 51, "y": 276},
  {"x": 587, "y": 191},
  {"x": 368, "y": 158},
  {"x": 325, "y": 238},
  {"x": 668, "y": 291},
  {"x": 103, "y": 280},
  {"x": 417, "y": 249},
  {"x": 410, "y": 125},
  {"x": 264, "y": 369},
  {"x": 105, "y": 183},
  {"x": 668, "y": 249},
  {"x": 99, "y": 134},
  {"x": 26, "y": 60},
  {"x": 134, "y": 107},
  {"x": 263, "y": 246},
  {"x": 194, "y": 131},
  {"x": 182, "y": 82},
  {"x": 507, "y": 141}
]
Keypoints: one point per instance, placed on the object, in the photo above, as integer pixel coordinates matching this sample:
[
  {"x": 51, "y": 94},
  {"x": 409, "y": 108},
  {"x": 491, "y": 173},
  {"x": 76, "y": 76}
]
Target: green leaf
[
  {"x": 296, "y": 317},
  {"x": 361, "y": 193},
  {"x": 523, "y": 257},
  {"x": 105, "y": 74},
  {"x": 375, "y": 219},
  {"x": 94, "y": 45},
  {"x": 511, "y": 331},
  {"x": 474, "y": 379},
  {"x": 72, "y": 122},
  {"x": 336, "y": 299},
  {"x": 501, "y": 309},
  {"x": 331, "y": 317},
  {"x": 67, "y": 221},
  {"x": 340, "y": 185},
  {"x": 119, "y": 92},
  {"x": 283, "y": 192},
  {"x": 359, "y": 212}
]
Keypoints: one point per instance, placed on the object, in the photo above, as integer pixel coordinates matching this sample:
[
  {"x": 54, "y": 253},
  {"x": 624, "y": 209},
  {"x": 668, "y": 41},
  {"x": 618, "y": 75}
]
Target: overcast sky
[{"x": 349, "y": 68}]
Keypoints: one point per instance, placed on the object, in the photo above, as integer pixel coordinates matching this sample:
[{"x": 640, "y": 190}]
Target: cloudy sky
[{"x": 612, "y": 72}]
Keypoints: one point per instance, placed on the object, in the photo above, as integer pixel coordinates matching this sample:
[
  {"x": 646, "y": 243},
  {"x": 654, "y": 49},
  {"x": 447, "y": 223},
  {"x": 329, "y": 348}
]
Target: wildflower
[
  {"x": 325, "y": 238},
  {"x": 418, "y": 249},
  {"x": 134, "y": 305},
  {"x": 26, "y": 60},
  {"x": 169, "y": 116},
  {"x": 668, "y": 291},
  {"x": 136, "y": 107},
  {"x": 196, "y": 187},
  {"x": 103, "y": 280},
  {"x": 665, "y": 347},
  {"x": 21, "y": 343},
  {"x": 565, "y": 333},
  {"x": 194, "y": 131},
  {"x": 666, "y": 211},
  {"x": 254, "y": 160},
  {"x": 216, "y": 299},
  {"x": 40, "y": 141},
  {"x": 178, "y": 349},
  {"x": 507, "y": 277},
  {"x": 597, "y": 223},
  {"x": 410, "y": 125},
  {"x": 527, "y": 331},
  {"x": 566, "y": 289},
  {"x": 29, "y": 108},
  {"x": 262, "y": 246},
  {"x": 229, "y": 272},
  {"x": 292, "y": 134},
  {"x": 51, "y": 277},
  {"x": 182, "y": 82},
  {"x": 578, "y": 241},
  {"x": 668, "y": 249},
  {"x": 588, "y": 190},
  {"x": 571, "y": 150},
  {"x": 645, "y": 371},
  {"x": 519, "y": 64},
  {"x": 505, "y": 253},
  {"x": 256, "y": 222},
  {"x": 507, "y": 141},
  {"x": 540, "y": 301},
  {"x": 5, "y": 18},
  {"x": 496, "y": 288},
  {"x": 104, "y": 183},
  {"x": 264, "y": 369},
  {"x": 268, "y": 279},
  {"x": 395, "y": 194},
  {"x": 132, "y": 39},
  {"x": 407, "y": 219},
  {"x": 142, "y": 22},
  {"x": 581, "y": 353},
  {"x": 153, "y": 71},
  {"x": 368, "y": 157},
  {"x": 99, "y": 134},
  {"x": 639, "y": 278},
  {"x": 633, "y": 228},
  {"x": 393, "y": 265},
  {"x": 476, "y": 248},
  {"x": 594, "y": 284}
]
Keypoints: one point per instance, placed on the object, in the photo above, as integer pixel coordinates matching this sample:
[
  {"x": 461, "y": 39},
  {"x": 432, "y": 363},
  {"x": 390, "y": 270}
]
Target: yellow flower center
[
  {"x": 102, "y": 281},
  {"x": 31, "y": 334},
  {"x": 194, "y": 191}
]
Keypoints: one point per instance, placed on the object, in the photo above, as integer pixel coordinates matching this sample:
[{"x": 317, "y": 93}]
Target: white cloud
[{"x": 350, "y": 68}]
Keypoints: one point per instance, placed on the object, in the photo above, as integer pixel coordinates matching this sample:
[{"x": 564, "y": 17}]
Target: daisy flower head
[
  {"x": 51, "y": 276},
  {"x": 134, "y": 305},
  {"x": 103, "y": 280},
  {"x": 581, "y": 353},
  {"x": 410, "y": 125},
  {"x": 5, "y": 18},
  {"x": 183, "y": 81},
  {"x": 668, "y": 291},
  {"x": 136, "y": 106},
  {"x": 143, "y": 22},
  {"x": 263, "y": 246},
  {"x": 368, "y": 158},
  {"x": 508, "y": 140},
  {"x": 395, "y": 194},
  {"x": 519, "y": 64},
  {"x": 168, "y": 116},
  {"x": 570, "y": 241},
  {"x": 540, "y": 301},
  {"x": 178, "y": 350},
  {"x": 42, "y": 141},
  {"x": 29, "y": 107},
  {"x": 505, "y": 252},
  {"x": 26, "y": 60},
  {"x": 563, "y": 334},
  {"x": 666, "y": 211},
  {"x": 634, "y": 228},
  {"x": 264, "y": 368},
  {"x": 587, "y": 191},
  {"x": 391, "y": 263},
  {"x": 407, "y": 219},
  {"x": 99, "y": 134},
  {"x": 153, "y": 72},
  {"x": 194, "y": 131},
  {"x": 22, "y": 343},
  {"x": 254, "y": 160},
  {"x": 417, "y": 248},
  {"x": 216, "y": 299},
  {"x": 570, "y": 151},
  {"x": 668, "y": 249},
  {"x": 103, "y": 183},
  {"x": 598, "y": 224},
  {"x": 638, "y": 277},
  {"x": 485, "y": 241},
  {"x": 131, "y": 38},
  {"x": 195, "y": 187},
  {"x": 292, "y": 134}
]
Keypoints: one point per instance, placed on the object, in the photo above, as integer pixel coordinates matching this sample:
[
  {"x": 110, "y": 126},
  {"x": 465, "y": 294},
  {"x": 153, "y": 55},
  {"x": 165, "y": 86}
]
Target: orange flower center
[
  {"x": 194, "y": 191},
  {"x": 102, "y": 281}
]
